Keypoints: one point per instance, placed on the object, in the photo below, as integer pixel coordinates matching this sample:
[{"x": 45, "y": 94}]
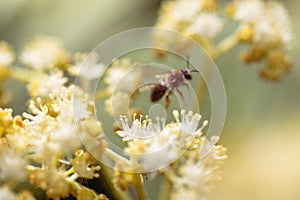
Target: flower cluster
[
  {"x": 44, "y": 52},
  {"x": 198, "y": 19},
  {"x": 44, "y": 146},
  {"x": 122, "y": 80},
  {"x": 7, "y": 57},
  {"x": 40, "y": 147},
  {"x": 157, "y": 145},
  {"x": 198, "y": 171},
  {"x": 264, "y": 26}
]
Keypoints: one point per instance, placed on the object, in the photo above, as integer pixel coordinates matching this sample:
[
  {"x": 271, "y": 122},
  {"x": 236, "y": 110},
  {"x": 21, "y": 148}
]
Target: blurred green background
[{"x": 262, "y": 130}]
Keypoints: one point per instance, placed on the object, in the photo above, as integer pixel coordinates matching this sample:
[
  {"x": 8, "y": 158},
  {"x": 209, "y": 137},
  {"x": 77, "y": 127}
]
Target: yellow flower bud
[{"x": 245, "y": 34}]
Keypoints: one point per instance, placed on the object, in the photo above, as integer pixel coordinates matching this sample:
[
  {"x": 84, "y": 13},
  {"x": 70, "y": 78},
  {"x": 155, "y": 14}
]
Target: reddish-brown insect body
[
  {"x": 158, "y": 92},
  {"x": 171, "y": 81}
]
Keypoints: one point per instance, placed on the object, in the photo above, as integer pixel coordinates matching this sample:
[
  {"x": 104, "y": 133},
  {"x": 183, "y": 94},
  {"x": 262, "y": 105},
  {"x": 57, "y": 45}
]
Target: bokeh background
[{"x": 262, "y": 130}]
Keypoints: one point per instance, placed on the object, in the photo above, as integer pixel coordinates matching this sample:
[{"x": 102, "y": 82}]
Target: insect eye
[{"x": 188, "y": 76}]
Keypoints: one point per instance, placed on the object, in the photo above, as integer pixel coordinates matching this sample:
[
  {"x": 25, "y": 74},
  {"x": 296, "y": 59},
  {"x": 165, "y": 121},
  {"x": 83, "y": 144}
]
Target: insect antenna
[{"x": 188, "y": 64}]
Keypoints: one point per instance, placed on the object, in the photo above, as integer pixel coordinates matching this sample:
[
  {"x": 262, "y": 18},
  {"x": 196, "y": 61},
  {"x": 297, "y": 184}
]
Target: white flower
[
  {"x": 156, "y": 145},
  {"x": 140, "y": 128},
  {"x": 12, "y": 166},
  {"x": 44, "y": 52},
  {"x": 274, "y": 27},
  {"x": 196, "y": 176},
  {"x": 121, "y": 77},
  {"x": 42, "y": 149},
  {"x": 18, "y": 141},
  {"x": 269, "y": 21},
  {"x": 6, "y": 54},
  {"x": 80, "y": 108},
  {"x": 72, "y": 103},
  {"x": 6, "y": 194},
  {"x": 186, "y": 194},
  {"x": 44, "y": 84},
  {"x": 249, "y": 11},
  {"x": 189, "y": 122},
  {"x": 39, "y": 121},
  {"x": 66, "y": 137},
  {"x": 186, "y": 10},
  {"x": 87, "y": 67},
  {"x": 206, "y": 25}
]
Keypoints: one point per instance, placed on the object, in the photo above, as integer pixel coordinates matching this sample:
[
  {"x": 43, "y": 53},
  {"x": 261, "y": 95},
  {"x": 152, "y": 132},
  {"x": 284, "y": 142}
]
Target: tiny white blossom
[
  {"x": 249, "y": 11},
  {"x": 43, "y": 85},
  {"x": 12, "y": 166},
  {"x": 273, "y": 27},
  {"x": 158, "y": 144},
  {"x": 206, "y": 25},
  {"x": 140, "y": 128},
  {"x": 6, "y": 194},
  {"x": 269, "y": 21},
  {"x": 187, "y": 194},
  {"x": 186, "y": 10},
  {"x": 121, "y": 77},
  {"x": 44, "y": 52},
  {"x": 6, "y": 54},
  {"x": 71, "y": 103},
  {"x": 196, "y": 176},
  {"x": 39, "y": 121},
  {"x": 66, "y": 137},
  {"x": 87, "y": 67},
  {"x": 189, "y": 122}
]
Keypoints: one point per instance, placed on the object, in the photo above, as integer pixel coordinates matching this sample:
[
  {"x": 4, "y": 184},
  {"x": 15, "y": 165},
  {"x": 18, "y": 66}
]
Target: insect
[{"x": 170, "y": 82}]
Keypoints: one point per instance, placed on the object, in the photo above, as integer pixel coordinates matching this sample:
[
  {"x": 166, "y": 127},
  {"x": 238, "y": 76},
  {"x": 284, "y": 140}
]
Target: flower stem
[
  {"x": 115, "y": 157},
  {"x": 22, "y": 74},
  {"x": 107, "y": 175},
  {"x": 224, "y": 46},
  {"x": 165, "y": 188},
  {"x": 101, "y": 94},
  {"x": 138, "y": 183},
  {"x": 70, "y": 171}
]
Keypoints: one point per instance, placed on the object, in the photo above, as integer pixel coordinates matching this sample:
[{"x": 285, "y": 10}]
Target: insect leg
[
  {"x": 168, "y": 100},
  {"x": 181, "y": 95},
  {"x": 186, "y": 85}
]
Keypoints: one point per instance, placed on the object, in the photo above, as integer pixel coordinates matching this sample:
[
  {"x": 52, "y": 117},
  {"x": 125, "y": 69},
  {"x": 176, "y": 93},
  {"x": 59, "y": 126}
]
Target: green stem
[
  {"x": 22, "y": 74},
  {"x": 70, "y": 171},
  {"x": 107, "y": 175},
  {"x": 116, "y": 157},
  {"x": 101, "y": 94},
  {"x": 138, "y": 183},
  {"x": 165, "y": 188},
  {"x": 224, "y": 46}
]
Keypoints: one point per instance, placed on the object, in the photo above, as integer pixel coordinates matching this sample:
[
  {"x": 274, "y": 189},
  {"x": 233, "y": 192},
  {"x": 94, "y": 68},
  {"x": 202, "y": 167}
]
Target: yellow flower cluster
[
  {"x": 262, "y": 25},
  {"x": 44, "y": 52},
  {"x": 44, "y": 147},
  {"x": 265, "y": 27},
  {"x": 198, "y": 19},
  {"x": 58, "y": 141},
  {"x": 7, "y": 57},
  {"x": 196, "y": 160}
]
